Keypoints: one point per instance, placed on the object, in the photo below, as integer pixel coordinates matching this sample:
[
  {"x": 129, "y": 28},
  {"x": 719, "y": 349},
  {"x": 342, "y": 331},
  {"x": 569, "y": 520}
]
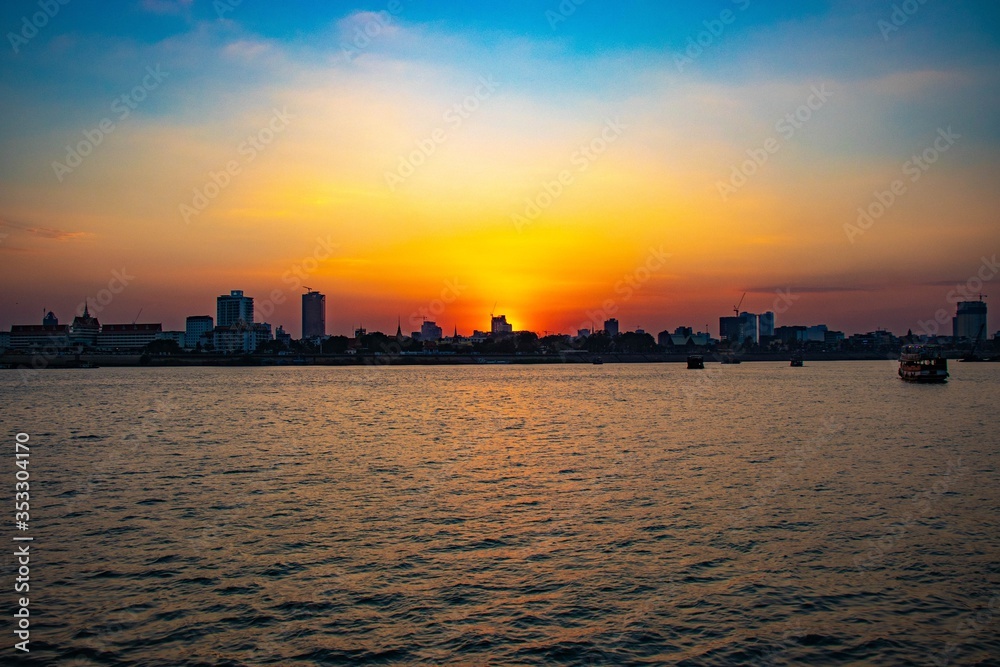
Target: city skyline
[
  {"x": 396, "y": 154},
  {"x": 238, "y": 307}
]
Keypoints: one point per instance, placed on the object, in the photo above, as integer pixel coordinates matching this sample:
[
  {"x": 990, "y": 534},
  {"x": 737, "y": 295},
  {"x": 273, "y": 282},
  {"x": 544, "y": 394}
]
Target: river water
[{"x": 509, "y": 515}]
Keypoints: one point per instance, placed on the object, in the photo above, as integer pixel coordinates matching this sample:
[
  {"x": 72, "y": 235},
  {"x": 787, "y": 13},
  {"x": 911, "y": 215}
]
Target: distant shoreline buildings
[{"x": 235, "y": 331}]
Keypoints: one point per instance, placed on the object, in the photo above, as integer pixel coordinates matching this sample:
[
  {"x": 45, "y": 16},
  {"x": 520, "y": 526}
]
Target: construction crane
[
  {"x": 736, "y": 308},
  {"x": 307, "y": 289}
]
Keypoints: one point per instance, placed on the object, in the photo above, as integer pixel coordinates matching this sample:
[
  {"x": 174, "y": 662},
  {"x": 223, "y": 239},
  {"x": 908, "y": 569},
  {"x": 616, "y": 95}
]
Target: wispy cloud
[
  {"x": 41, "y": 232},
  {"x": 813, "y": 289}
]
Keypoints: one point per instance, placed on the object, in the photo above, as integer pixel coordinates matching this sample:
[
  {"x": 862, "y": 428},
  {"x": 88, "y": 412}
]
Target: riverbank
[{"x": 83, "y": 361}]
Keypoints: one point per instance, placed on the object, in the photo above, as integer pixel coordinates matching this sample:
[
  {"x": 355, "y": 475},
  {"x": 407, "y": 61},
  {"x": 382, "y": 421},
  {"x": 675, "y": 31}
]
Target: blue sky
[{"x": 690, "y": 122}]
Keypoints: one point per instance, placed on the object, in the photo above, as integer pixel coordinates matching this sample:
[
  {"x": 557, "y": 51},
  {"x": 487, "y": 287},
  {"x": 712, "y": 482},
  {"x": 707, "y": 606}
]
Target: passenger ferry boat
[
  {"x": 696, "y": 361},
  {"x": 797, "y": 360},
  {"x": 918, "y": 363}
]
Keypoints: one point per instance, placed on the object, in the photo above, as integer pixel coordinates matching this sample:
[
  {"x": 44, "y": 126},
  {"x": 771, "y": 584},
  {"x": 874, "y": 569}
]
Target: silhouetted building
[
  {"x": 85, "y": 328},
  {"x": 748, "y": 328},
  {"x": 500, "y": 327},
  {"x": 28, "y": 336},
  {"x": 313, "y": 315},
  {"x": 817, "y": 333},
  {"x": 789, "y": 335},
  {"x": 282, "y": 337},
  {"x": 241, "y": 337},
  {"x": 834, "y": 338},
  {"x": 178, "y": 337},
  {"x": 970, "y": 320},
  {"x": 233, "y": 308},
  {"x": 198, "y": 329},
  {"x": 611, "y": 327},
  {"x": 683, "y": 337},
  {"x": 766, "y": 325},
  {"x": 430, "y": 332},
  {"x": 50, "y": 320},
  {"x": 729, "y": 329},
  {"x": 739, "y": 329},
  {"x": 129, "y": 337}
]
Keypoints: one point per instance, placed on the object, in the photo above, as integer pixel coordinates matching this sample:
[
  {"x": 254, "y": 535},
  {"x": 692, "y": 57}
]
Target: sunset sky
[{"x": 406, "y": 157}]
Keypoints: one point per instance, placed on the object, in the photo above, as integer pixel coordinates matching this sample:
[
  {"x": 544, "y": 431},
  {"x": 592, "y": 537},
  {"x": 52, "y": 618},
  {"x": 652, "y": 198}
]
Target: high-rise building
[
  {"x": 970, "y": 320},
  {"x": 313, "y": 315},
  {"x": 729, "y": 328},
  {"x": 611, "y": 327},
  {"x": 500, "y": 327},
  {"x": 766, "y": 324},
  {"x": 748, "y": 327},
  {"x": 430, "y": 332},
  {"x": 196, "y": 327},
  {"x": 234, "y": 308}
]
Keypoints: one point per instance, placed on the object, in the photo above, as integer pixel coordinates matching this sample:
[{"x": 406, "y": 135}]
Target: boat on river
[{"x": 919, "y": 363}]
